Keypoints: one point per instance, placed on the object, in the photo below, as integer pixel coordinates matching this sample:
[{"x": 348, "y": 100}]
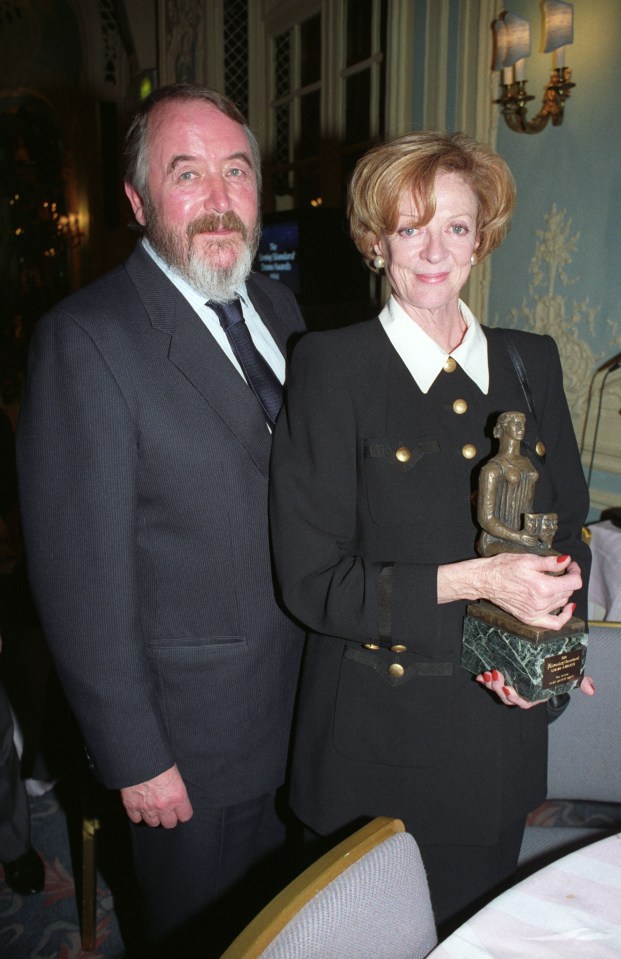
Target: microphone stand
[{"x": 610, "y": 369}]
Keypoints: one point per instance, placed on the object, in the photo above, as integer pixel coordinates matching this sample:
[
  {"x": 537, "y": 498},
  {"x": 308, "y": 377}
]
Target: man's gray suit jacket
[{"x": 143, "y": 460}]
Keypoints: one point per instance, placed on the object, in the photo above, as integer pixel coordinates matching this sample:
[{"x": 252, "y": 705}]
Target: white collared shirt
[
  {"x": 424, "y": 358},
  {"x": 261, "y": 336}
]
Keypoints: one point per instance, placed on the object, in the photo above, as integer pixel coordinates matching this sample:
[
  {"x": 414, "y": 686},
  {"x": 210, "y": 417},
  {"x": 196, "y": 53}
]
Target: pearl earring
[
  {"x": 379, "y": 262},
  {"x": 473, "y": 260}
]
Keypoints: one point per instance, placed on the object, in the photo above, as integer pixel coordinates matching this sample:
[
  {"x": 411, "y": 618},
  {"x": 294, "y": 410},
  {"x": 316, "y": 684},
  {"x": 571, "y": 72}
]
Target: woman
[{"x": 375, "y": 466}]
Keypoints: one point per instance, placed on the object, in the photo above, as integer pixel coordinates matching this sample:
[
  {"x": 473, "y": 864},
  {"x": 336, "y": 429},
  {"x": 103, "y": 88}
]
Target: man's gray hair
[{"x": 137, "y": 137}]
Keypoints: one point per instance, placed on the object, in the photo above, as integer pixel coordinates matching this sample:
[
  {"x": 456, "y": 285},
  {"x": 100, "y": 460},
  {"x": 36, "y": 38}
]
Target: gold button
[
  {"x": 403, "y": 454},
  {"x": 398, "y": 649},
  {"x": 450, "y": 365},
  {"x": 460, "y": 406},
  {"x": 540, "y": 448},
  {"x": 396, "y": 670},
  {"x": 369, "y": 646},
  {"x": 469, "y": 451}
]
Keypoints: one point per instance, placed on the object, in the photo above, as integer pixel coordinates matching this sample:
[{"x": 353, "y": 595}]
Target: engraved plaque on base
[{"x": 537, "y": 663}]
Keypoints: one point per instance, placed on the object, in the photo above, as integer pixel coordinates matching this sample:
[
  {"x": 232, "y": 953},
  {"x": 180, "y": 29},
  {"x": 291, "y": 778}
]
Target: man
[{"x": 143, "y": 459}]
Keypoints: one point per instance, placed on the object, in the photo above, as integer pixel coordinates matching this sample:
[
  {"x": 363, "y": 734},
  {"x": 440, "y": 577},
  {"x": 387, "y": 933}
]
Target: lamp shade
[
  {"x": 518, "y": 38},
  {"x": 559, "y": 24},
  {"x": 500, "y": 43}
]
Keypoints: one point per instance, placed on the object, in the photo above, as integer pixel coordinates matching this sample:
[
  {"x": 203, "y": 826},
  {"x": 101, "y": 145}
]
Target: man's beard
[{"x": 200, "y": 269}]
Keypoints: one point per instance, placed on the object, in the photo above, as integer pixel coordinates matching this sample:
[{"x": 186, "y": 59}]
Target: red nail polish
[
  {"x": 495, "y": 675},
  {"x": 573, "y": 606},
  {"x": 561, "y": 559},
  {"x": 487, "y": 677},
  {"x": 506, "y": 690}
]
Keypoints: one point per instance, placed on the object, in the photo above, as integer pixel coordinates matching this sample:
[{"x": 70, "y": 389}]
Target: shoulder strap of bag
[{"x": 520, "y": 369}]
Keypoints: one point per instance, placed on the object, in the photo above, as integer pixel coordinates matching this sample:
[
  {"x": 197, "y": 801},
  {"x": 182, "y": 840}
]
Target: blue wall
[{"x": 576, "y": 167}]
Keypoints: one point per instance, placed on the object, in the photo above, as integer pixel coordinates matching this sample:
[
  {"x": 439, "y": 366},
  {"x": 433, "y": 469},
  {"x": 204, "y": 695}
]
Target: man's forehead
[{"x": 198, "y": 119}]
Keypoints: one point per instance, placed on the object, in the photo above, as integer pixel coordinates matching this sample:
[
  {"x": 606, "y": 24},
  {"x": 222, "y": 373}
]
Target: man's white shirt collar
[
  {"x": 424, "y": 358},
  {"x": 261, "y": 336}
]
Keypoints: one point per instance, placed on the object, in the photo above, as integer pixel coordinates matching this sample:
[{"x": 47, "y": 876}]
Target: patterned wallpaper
[
  {"x": 559, "y": 270},
  {"x": 550, "y": 308},
  {"x": 182, "y": 30}
]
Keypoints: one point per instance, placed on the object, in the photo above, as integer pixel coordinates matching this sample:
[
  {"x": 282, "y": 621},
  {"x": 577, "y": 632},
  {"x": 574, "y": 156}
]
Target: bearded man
[{"x": 143, "y": 451}]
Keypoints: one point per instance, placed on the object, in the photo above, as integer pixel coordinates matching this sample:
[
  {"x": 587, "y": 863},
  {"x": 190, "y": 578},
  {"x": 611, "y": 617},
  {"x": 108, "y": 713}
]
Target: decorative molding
[
  {"x": 551, "y": 312},
  {"x": 110, "y": 42},
  {"x": 594, "y": 398},
  {"x": 182, "y": 41},
  {"x": 21, "y": 43}
]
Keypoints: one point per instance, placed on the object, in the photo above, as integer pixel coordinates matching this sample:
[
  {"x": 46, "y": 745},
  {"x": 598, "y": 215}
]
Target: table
[
  {"x": 571, "y": 908},
  {"x": 605, "y": 583}
]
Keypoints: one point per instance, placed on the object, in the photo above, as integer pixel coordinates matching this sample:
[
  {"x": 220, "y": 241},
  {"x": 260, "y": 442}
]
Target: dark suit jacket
[
  {"x": 143, "y": 460},
  {"x": 358, "y": 535}
]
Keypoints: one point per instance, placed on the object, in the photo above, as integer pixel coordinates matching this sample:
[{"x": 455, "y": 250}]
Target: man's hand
[{"x": 162, "y": 801}]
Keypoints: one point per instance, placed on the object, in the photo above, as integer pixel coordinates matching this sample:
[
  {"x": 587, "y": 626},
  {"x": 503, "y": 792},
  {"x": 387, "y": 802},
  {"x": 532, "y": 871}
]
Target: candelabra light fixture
[
  {"x": 69, "y": 227},
  {"x": 512, "y": 47}
]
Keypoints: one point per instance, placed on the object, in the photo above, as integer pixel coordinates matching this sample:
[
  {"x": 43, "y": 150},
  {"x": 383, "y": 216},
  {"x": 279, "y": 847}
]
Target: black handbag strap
[{"x": 520, "y": 369}]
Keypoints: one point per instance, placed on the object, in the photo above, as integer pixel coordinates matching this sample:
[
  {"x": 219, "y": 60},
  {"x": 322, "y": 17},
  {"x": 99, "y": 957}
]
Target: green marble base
[{"x": 537, "y": 668}]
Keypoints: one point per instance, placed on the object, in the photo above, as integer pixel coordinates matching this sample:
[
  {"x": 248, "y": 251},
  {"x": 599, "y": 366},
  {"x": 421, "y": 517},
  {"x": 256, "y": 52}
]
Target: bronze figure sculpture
[
  {"x": 538, "y": 662},
  {"x": 506, "y": 493}
]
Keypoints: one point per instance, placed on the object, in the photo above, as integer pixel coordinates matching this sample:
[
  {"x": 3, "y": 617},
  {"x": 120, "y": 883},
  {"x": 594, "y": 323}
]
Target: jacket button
[
  {"x": 396, "y": 670},
  {"x": 449, "y": 365},
  {"x": 370, "y": 646},
  {"x": 398, "y": 649},
  {"x": 469, "y": 451},
  {"x": 540, "y": 448},
  {"x": 460, "y": 406},
  {"x": 403, "y": 454}
]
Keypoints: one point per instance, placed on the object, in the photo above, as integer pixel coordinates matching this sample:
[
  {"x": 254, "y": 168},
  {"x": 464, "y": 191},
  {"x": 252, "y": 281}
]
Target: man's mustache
[{"x": 212, "y": 223}]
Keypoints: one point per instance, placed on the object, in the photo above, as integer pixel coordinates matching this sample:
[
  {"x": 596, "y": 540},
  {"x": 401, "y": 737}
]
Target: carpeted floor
[{"x": 47, "y": 926}]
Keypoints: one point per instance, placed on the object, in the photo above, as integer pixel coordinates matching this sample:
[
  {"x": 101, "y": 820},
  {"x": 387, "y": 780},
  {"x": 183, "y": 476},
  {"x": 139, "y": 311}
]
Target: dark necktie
[{"x": 259, "y": 374}]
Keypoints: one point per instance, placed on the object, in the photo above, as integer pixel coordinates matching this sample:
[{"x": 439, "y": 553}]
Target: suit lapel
[{"x": 195, "y": 353}]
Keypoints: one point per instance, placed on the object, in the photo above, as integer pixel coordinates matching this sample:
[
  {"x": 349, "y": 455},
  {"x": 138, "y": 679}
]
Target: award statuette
[{"x": 538, "y": 663}]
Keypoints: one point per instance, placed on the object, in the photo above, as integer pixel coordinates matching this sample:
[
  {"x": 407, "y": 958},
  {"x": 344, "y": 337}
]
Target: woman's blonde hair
[{"x": 409, "y": 165}]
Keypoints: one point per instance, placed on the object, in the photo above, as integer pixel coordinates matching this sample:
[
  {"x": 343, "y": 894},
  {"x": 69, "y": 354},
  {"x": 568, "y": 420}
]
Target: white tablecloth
[
  {"x": 605, "y": 583},
  {"x": 568, "y": 910}
]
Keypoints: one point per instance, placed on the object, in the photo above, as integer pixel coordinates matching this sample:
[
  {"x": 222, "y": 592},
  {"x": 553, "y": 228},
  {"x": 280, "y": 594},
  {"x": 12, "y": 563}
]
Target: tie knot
[{"x": 228, "y": 313}]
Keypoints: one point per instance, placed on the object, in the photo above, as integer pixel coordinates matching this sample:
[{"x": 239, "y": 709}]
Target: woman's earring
[
  {"x": 473, "y": 260},
  {"x": 379, "y": 263}
]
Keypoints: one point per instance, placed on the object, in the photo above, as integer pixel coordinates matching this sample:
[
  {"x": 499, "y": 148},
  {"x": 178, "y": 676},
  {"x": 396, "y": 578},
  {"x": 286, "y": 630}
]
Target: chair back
[
  {"x": 584, "y": 753},
  {"x": 366, "y": 897},
  {"x": 584, "y": 758}
]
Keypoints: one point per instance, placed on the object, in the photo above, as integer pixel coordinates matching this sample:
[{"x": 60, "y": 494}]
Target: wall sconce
[
  {"x": 68, "y": 226},
  {"x": 512, "y": 46}
]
